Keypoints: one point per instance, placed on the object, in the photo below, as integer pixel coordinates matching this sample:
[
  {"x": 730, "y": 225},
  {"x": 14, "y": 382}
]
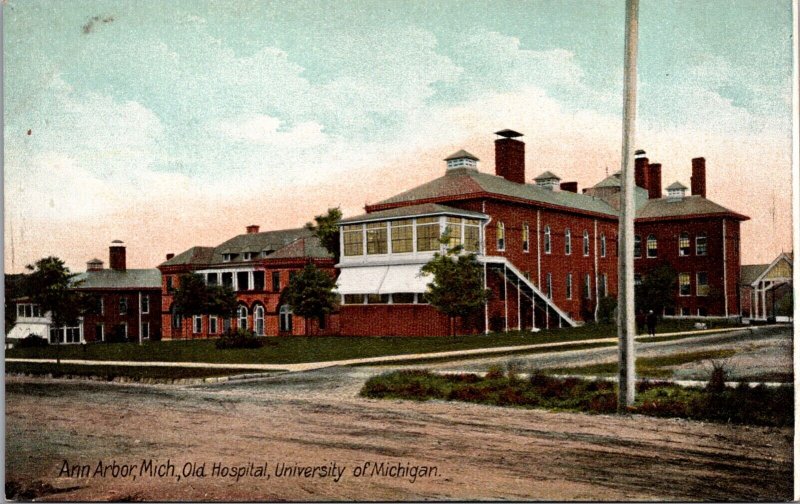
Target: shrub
[
  {"x": 32, "y": 341},
  {"x": 241, "y": 338},
  {"x": 495, "y": 372},
  {"x": 607, "y": 310},
  {"x": 719, "y": 375}
]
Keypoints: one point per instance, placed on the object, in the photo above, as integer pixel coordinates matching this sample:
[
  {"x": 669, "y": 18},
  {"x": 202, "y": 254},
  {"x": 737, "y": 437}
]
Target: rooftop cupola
[
  {"x": 548, "y": 180},
  {"x": 676, "y": 191},
  {"x": 462, "y": 160},
  {"x": 94, "y": 265}
]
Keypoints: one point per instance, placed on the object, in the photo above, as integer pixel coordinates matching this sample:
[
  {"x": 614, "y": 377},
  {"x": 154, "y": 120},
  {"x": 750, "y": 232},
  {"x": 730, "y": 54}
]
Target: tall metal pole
[{"x": 626, "y": 327}]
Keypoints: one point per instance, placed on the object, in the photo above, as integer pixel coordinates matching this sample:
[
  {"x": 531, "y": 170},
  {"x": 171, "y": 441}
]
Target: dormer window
[
  {"x": 676, "y": 191},
  {"x": 227, "y": 257},
  {"x": 248, "y": 256}
]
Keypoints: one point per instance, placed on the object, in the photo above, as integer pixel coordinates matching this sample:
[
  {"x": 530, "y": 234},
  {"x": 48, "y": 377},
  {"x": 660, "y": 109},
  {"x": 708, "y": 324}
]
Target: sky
[{"x": 174, "y": 124}]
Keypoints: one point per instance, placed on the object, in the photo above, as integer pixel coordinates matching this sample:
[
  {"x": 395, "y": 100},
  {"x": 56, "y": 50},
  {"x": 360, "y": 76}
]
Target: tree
[
  {"x": 326, "y": 228},
  {"x": 50, "y": 285},
  {"x": 194, "y": 297},
  {"x": 13, "y": 290},
  {"x": 457, "y": 288},
  {"x": 657, "y": 290},
  {"x": 310, "y": 293}
]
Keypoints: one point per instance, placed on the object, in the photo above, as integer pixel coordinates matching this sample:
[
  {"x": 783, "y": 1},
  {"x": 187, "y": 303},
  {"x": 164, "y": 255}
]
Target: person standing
[{"x": 651, "y": 323}]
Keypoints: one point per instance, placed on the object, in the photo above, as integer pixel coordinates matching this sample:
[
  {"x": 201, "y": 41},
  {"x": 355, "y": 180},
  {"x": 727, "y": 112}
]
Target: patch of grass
[
  {"x": 109, "y": 373},
  {"x": 645, "y": 366},
  {"x": 742, "y": 405},
  {"x": 296, "y": 349}
]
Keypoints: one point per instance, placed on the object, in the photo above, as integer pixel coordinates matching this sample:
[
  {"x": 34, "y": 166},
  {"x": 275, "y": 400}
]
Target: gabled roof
[
  {"x": 783, "y": 256},
  {"x": 119, "y": 279},
  {"x": 460, "y": 155},
  {"x": 269, "y": 241},
  {"x": 465, "y": 183},
  {"x": 413, "y": 211},
  {"x": 193, "y": 256},
  {"x": 686, "y": 207},
  {"x": 748, "y": 273},
  {"x": 614, "y": 180}
]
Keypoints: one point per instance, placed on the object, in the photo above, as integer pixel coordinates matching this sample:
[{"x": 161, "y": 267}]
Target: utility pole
[{"x": 626, "y": 325}]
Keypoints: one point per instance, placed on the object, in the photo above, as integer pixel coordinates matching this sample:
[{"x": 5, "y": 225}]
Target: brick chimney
[
  {"x": 252, "y": 229},
  {"x": 654, "y": 181},
  {"x": 170, "y": 256},
  {"x": 699, "y": 176},
  {"x": 94, "y": 265},
  {"x": 509, "y": 156},
  {"x": 569, "y": 186},
  {"x": 116, "y": 255},
  {"x": 642, "y": 173}
]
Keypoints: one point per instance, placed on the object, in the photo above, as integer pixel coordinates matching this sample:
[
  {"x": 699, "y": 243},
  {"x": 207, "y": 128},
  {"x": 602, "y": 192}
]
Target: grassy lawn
[
  {"x": 758, "y": 406},
  {"x": 650, "y": 367},
  {"x": 294, "y": 349},
  {"x": 110, "y": 372}
]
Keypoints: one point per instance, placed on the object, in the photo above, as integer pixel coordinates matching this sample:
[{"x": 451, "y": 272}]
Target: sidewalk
[{"x": 310, "y": 366}]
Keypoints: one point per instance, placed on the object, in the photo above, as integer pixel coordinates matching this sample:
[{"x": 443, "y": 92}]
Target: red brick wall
[
  {"x": 111, "y": 314},
  {"x": 398, "y": 320}
]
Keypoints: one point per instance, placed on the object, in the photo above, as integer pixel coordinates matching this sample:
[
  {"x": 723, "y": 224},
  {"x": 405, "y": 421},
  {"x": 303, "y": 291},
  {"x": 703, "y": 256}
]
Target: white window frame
[
  {"x": 145, "y": 304},
  {"x": 655, "y": 241},
  {"x": 501, "y": 237},
  {"x": 239, "y": 317},
  {"x": 567, "y": 242},
  {"x": 689, "y": 284},
  {"x": 258, "y": 317},
  {"x": 587, "y": 284},
  {"x": 602, "y": 244},
  {"x": 697, "y": 237},
  {"x": 697, "y": 284},
  {"x": 146, "y": 327},
  {"x": 213, "y": 324},
  {"x": 526, "y": 238},
  {"x": 586, "y": 245},
  {"x": 549, "y": 286},
  {"x": 569, "y": 285},
  {"x": 548, "y": 240},
  {"x": 197, "y": 324}
]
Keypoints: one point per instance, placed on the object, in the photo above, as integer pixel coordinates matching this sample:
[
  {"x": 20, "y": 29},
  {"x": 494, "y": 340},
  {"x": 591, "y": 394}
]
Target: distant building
[
  {"x": 764, "y": 286},
  {"x": 257, "y": 266}
]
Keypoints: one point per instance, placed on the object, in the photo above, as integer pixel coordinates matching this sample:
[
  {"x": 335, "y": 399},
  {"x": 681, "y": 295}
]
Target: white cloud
[{"x": 266, "y": 130}]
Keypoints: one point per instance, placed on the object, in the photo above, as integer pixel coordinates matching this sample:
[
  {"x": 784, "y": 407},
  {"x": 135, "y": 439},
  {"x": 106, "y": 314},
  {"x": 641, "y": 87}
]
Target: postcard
[{"x": 379, "y": 250}]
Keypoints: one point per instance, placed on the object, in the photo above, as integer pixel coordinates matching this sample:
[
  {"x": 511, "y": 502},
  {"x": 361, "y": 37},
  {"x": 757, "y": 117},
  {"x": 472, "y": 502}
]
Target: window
[
  {"x": 285, "y": 319},
  {"x": 177, "y": 320},
  {"x": 603, "y": 245},
  {"x": 472, "y": 233},
  {"x": 453, "y": 230},
  {"x": 526, "y": 238},
  {"x": 227, "y": 257},
  {"x": 354, "y": 299},
  {"x": 258, "y": 281},
  {"x": 99, "y": 332},
  {"x": 247, "y": 256},
  {"x": 501, "y": 236},
  {"x": 586, "y": 248},
  {"x": 242, "y": 317},
  {"x": 212, "y": 279},
  {"x": 146, "y": 330},
  {"x": 276, "y": 281},
  {"x": 197, "y": 324},
  {"x": 603, "y": 287},
  {"x": 569, "y": 285},
  {"x": 145, "y": 304},
  {"x": 242, "y": 281},
  {"x": 427, "y": 234},
  {"x": 28, "y": 310},
  {"x": 550, "y": 285},
  {"x": 683, "y": 244},
  {"x": 567, "y": 242},
  {"x": 684, "y": 283},
  {"x": 377, "y": 298},
  {"x": 227, "y": 280},
  {"x": 353, "y": 240},
  {"x": 637, "y": 246},
  {"x": 652, "y": 246},
  {"x": 123, "y": 306},
  {"x": 170, "y": 285},
  {"x": 702, "y": 283},
  {"x": 402, "y": 236},
  {"x": 213, "y": 324},
  {"x": 403, "y": 298},
  {"x": 226, "y": 324},
  {"x": 587, "y": 286},
  {"x": 377, "y": 238},
  {"x": 258, "y": 320},
  {"x": 701, "y": 244},
  {"x": 547, "y": 241}
]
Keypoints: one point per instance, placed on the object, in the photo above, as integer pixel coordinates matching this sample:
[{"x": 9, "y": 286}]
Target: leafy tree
[
  {"x": 326, "y": 228},
  {"x": 50, "y": 286},
  {"x": 785, "y": 305},
  {"x": 457, "y": 287},
  {"x": 310, "y": 293},
  {"x": 194, "y": 297},
  {"x": 657, "y": 290}
]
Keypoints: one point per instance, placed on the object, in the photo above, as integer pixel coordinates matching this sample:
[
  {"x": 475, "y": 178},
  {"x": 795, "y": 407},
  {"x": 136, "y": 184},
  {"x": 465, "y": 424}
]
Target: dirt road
[{"x": 316, "y": 419}]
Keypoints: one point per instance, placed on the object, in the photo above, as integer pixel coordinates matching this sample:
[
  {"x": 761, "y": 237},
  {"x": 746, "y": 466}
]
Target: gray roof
[
  {"x": 413, "y": 211},
  {"x": 687, "y": 206},
  {"x": 749, "y": 272},
  {"x": 676, "y": 185},
  {"x": 547, "y": 175},
  {"x": 195, "y": 255},
  {"x": 464, "y": 183},
  {"x": 614, "y": 180},
  {"x": 119, "y": 279},
  {"x": 302, "y": 248},
  {"x": 460, "y": 155},
  {"x": 269, "y": 241}
]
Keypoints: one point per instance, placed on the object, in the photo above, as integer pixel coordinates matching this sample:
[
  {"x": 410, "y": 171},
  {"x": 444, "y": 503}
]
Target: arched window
[
  {"x": 684, "y": 248},
  {"x": 567, "y": 242},
  {"x": 585, "y": 242},
  {"x": 637, "y": 246},
  {"x": 285, "y": 318},
  {"x": 241, "y": 316},
  {"x": 501, "y": 236},
  {"x": 258, "y": 320},
  {"x": 603, "y": 245},
  {"x": 547, "y": 242},
  {"x": 652, "y": 246}
]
